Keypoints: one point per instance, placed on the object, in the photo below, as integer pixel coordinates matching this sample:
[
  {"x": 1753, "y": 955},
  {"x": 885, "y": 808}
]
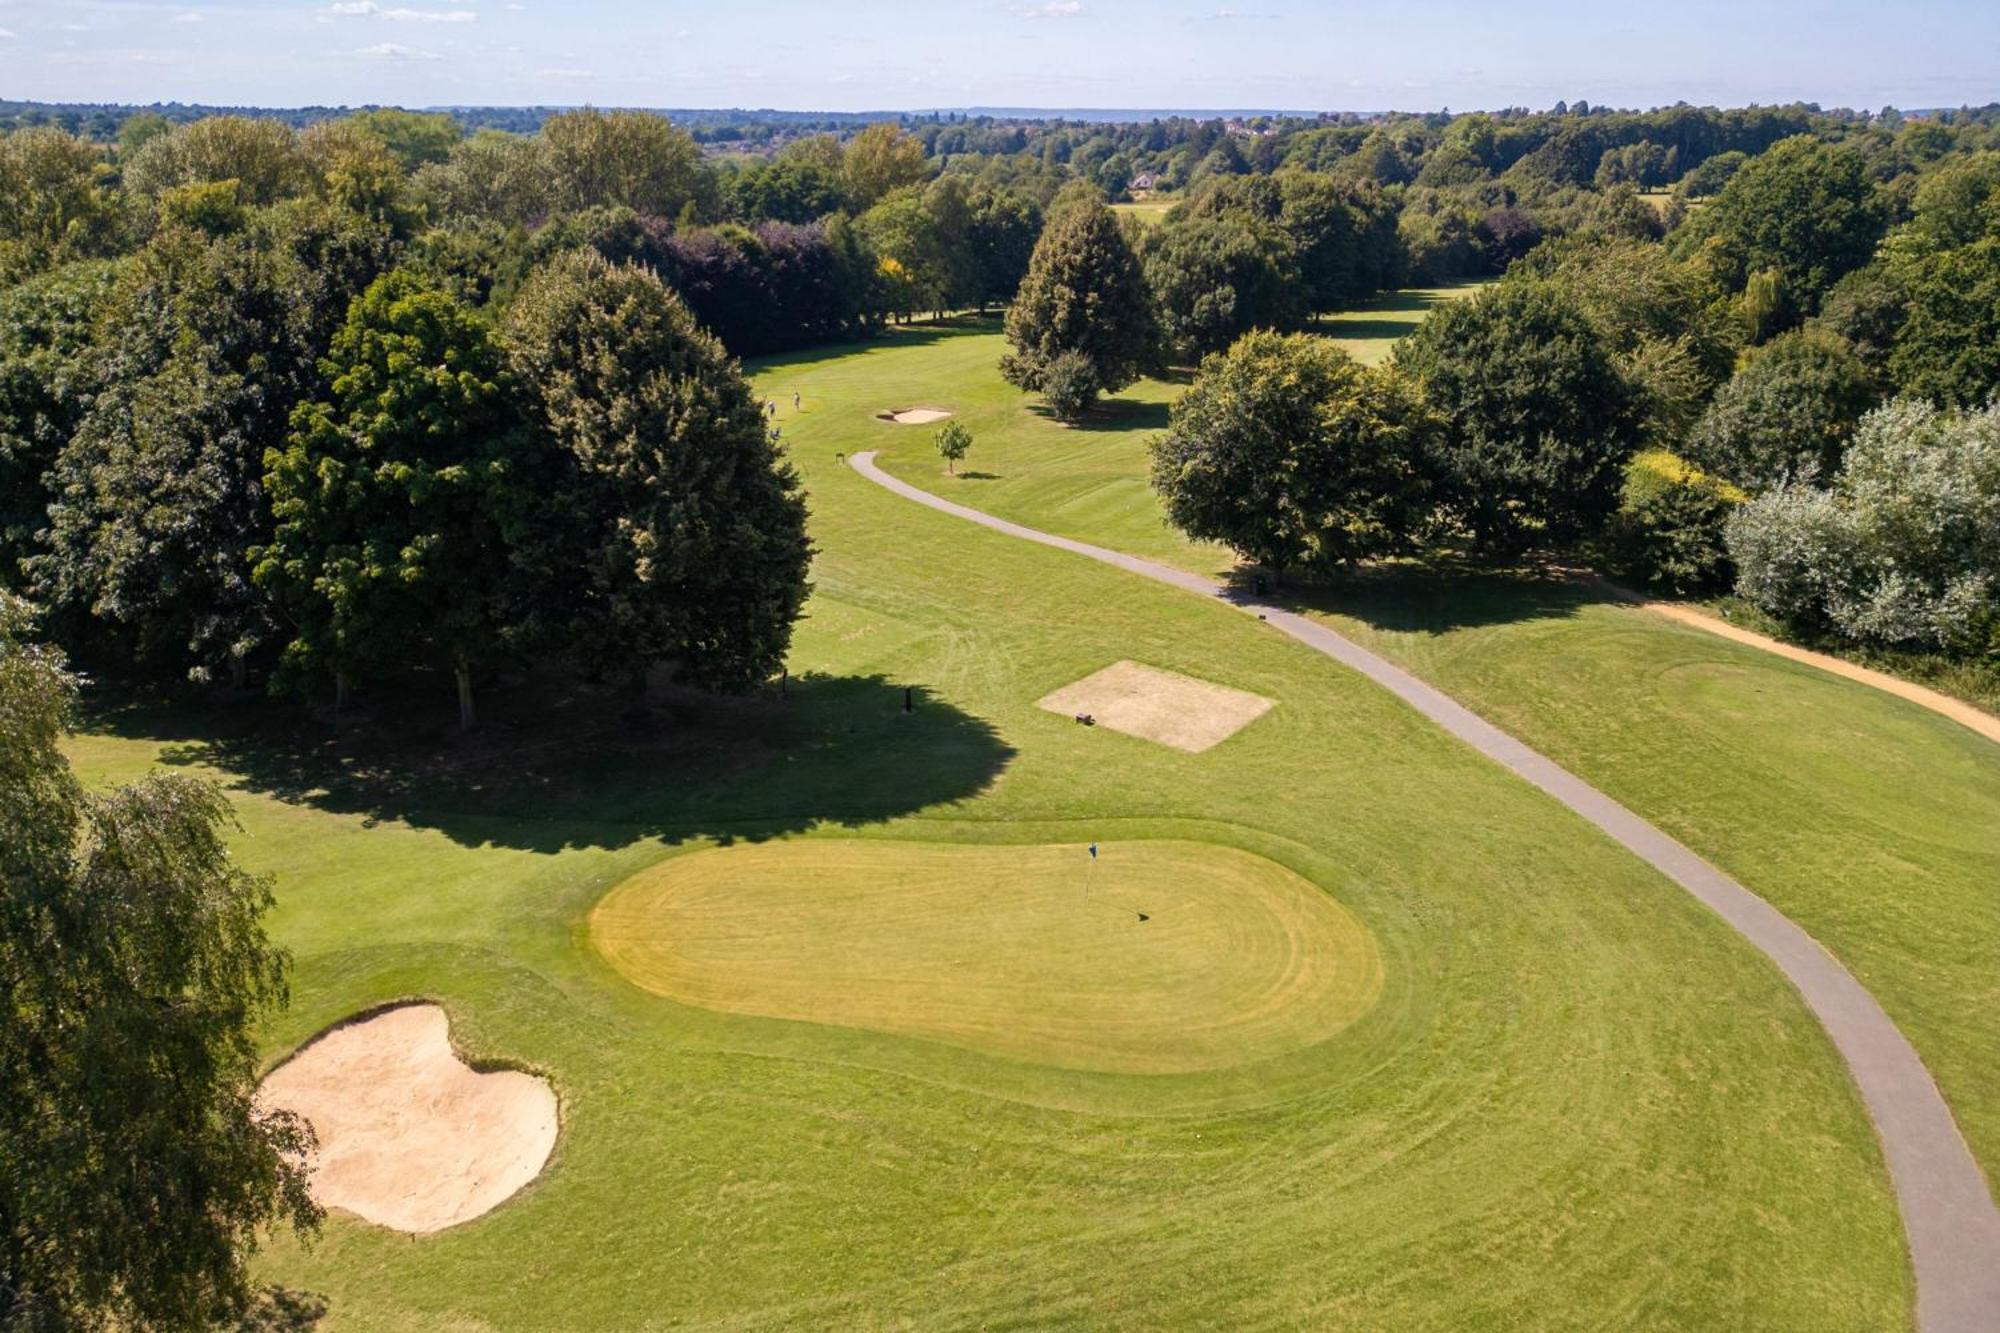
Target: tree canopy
[
  {"x": 395, "y": 497},
  {"x": 672, "y": 529},
  {"x": 1293, "y": 454},
  {"x": 136, "y": 1172},
  {"x": 1539, "y": 420},
  {"x": 1084, "y": 292}
]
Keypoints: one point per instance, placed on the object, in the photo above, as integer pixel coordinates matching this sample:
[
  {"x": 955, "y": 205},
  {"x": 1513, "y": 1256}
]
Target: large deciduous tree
[
  {"x": 46, "y": 380},
  {"x": 880, "y": 160},
  {"x": 1790, "y": 410},
  {"x": 1293, "y": 454},
  {"x": 136, "y": 1171},
  {"x": 261, "y": 156},
  {"x": 156, "y": 497},
  {"x": 1084, "y": 292},
  {"x": 672, "y": 530},
  {"x": 53, "y": 204},
  {"x": 1216, "y": 278},
  {"x": 1805, "y": 210},
  {"x": 394, "y": 500},
  {"x": 625, "y": 159},
  {"x": 1539, "y": 421}
]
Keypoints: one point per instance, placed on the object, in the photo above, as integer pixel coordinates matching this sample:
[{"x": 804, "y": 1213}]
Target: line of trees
[
  {"x": 259, "y": 447},
  {"x": 1792, "y": 394}
]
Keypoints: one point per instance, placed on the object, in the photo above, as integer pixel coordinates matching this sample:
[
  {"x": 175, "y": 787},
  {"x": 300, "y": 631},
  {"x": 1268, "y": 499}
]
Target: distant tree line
[
  {"x": 262, "y": 421},
  {"x": 177, "y": 307},
  {"x": 1789, "y": 390}
]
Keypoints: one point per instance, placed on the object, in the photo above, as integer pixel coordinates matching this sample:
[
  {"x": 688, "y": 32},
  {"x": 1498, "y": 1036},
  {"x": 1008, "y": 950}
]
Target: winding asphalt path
[{"x": 1948, "y": 1213}]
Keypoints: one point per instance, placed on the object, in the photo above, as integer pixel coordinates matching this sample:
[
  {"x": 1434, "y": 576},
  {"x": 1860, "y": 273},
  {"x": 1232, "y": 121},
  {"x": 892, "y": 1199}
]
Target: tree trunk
[{"x": 467, "y": 718}]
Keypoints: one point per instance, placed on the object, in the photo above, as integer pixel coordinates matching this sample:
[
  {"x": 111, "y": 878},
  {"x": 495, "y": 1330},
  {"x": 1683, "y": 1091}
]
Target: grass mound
[{"x": 1163, "y": 957}]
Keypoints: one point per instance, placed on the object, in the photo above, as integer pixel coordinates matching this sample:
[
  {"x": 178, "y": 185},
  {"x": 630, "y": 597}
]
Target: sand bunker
[
  {"x": 411, "y": 1137},
  {"x": 1162, "y": 706},
  {"x": 913, "y": 416}
]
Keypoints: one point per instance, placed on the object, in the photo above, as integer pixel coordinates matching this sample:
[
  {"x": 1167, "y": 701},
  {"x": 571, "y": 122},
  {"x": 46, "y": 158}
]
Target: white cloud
[
  {"x": 1055, "y": 9},
  {"x": 192, "y": 16},
  {"x": 395, "y": 51},
  {"x": 360, "y": 8},
  {"x": 6, "y": 36}
]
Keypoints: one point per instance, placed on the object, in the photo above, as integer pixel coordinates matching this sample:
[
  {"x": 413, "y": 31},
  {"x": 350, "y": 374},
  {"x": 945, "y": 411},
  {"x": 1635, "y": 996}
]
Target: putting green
[{"x": 999, "y": 949}]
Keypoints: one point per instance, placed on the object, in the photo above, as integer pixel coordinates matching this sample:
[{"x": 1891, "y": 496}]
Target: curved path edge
[
  {"x": 1966, "y": 715},
  {"x": 1948, "y": 1212}
]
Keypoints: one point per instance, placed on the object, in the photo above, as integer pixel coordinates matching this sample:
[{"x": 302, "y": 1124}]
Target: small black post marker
[{"x": 909, "y": 699}]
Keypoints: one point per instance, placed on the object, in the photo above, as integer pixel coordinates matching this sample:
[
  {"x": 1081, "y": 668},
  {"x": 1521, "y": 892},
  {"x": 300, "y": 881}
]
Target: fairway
[
  {"x": 1370, "y": 330},
  {"x": 1154, "y": 958},
  {"x": 1571, "y": 1090},
  {"x": 1871, "y": 822}
]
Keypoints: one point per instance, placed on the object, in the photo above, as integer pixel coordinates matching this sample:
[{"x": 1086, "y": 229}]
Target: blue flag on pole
[{"x": 1093, "y": 851}]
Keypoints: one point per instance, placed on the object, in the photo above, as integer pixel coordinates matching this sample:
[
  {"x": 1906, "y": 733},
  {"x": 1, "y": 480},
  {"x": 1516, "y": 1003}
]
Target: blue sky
[{"x": 868, "y": 54}]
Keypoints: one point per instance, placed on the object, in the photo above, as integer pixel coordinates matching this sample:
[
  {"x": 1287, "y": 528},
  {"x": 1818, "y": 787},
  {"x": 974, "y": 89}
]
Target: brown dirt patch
[
  {"x": 410, "y": 1136},
  {"x": 1161, "y": 706}
]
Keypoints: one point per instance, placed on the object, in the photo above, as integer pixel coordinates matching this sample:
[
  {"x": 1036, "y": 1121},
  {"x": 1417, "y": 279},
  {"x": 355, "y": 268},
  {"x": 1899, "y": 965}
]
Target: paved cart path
[{"x": 1948, "y": 1212}]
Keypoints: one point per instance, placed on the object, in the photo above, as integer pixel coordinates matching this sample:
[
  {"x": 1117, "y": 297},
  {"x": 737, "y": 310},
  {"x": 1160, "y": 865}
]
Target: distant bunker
[{"x": 912, "y": 416}]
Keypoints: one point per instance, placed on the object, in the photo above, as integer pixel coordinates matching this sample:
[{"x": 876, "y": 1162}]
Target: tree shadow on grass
[
  {"x": 1110, "y": 414},
  {"x": 1439, "y": 593},
  {"x": 1367, "y": 329},
  {"x": 551, "y": 769},
  {"x": 1126, "y": 414},
  {"x": 894, "y": 336},
  {"x": 281, "y": 1310}
]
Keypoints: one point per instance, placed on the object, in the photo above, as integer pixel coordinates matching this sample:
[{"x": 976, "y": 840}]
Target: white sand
[
  {"x": 1162, "y": 706},
  {"x": 916, "y": 416},
  {"x": 410, "y": 1136}
]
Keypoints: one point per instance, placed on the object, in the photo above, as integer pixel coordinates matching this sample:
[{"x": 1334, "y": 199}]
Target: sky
[{"x": 854, "y": 55}]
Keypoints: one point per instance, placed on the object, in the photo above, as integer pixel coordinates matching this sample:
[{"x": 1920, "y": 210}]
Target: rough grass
[{"x": 1577, "y": 1102}]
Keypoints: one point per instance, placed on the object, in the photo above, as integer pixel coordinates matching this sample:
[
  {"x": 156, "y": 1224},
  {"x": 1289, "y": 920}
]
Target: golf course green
[
  {"x": 839, "y": 1041},
  {"x": 1159, "y": 957}
]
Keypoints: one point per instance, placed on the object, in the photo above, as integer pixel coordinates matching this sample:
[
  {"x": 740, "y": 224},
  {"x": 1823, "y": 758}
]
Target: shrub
[
  {"x": 1668, "y": 532},
  {"x": 1903, "y": 549},
  {"x": 1069, "y": 385}
]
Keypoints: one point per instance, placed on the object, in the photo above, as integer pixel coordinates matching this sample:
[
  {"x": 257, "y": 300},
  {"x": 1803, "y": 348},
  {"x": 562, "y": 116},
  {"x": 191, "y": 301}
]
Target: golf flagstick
[{"x": 1088, "y": 870}]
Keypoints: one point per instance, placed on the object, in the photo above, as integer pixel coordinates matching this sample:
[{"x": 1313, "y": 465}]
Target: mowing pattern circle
[{"x": 1158, "y": 957}]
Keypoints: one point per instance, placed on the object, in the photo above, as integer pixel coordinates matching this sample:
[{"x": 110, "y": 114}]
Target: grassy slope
[
  {"x": 1874, "y": 824},
  {"x": 1578, "y": 1102}
]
